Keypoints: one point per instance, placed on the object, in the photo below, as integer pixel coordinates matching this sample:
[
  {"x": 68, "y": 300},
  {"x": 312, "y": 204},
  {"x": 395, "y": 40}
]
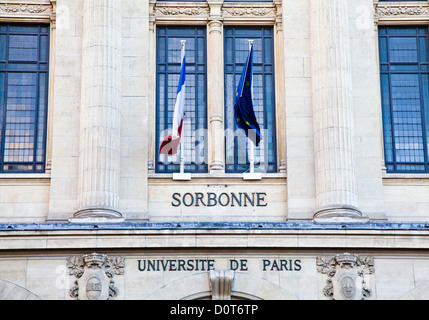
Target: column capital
[{"x": 215, "y": 26}]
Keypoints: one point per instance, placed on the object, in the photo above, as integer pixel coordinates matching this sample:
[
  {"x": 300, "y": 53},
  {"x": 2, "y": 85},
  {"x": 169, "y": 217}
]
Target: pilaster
[{"x": 215, "y": 94}]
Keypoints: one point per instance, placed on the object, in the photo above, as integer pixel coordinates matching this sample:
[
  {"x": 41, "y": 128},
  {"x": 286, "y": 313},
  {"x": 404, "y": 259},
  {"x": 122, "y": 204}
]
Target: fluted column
[
  {"x": 336, "y": 195},
  {"x": 100, "y": 112},
  {"x": 216, "y": 94}
]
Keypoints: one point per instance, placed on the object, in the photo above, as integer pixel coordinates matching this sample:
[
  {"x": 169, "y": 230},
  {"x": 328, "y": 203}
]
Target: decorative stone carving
[
  {"x": 94, "y": 273},
  {"x": 221, "y": 284},
  {"x": 25, "y": 8},
  {"x": 42, "y": 11},
  {"x": 165, "y": 11},
  {"x": 396, "y": 11},
  {"x": 401, "y": 11},
  {"x": 169, "y": 11},
  {"x": 250, "y": 11},
  {"x": 346, "y": 276}
]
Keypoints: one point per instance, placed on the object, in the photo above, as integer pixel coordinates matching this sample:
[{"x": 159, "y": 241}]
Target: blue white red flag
[{"x": 171, "y": 142}]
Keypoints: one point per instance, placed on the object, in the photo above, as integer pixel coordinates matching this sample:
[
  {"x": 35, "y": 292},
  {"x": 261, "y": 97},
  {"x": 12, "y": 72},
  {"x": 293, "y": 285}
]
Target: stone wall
[
  {"x": 268, "y": 276},
  {"x": 55, "y": 194}
]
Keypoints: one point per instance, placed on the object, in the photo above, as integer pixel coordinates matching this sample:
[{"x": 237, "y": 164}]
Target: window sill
[
  {"x": 25, "y": 176},
  {"x": 405, "y": 176},
  {"x": 216, "y": 176}
]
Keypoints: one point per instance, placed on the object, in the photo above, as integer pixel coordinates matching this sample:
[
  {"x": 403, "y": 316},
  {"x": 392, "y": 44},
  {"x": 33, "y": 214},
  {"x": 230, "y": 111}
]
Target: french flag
[{"x": 171, "y": 142}]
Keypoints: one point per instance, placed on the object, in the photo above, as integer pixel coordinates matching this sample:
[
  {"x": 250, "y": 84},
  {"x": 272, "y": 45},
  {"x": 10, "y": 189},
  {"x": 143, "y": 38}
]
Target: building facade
[{"x": 336, "y": 205}]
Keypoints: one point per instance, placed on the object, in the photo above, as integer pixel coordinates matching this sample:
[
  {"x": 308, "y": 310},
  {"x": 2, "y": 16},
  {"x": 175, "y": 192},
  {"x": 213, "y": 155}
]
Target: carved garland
[
  {"x": 25, "y": 8},
  {"x": 205, "y": 11},
  {"x": 258, "y": 12},
  {"x": 170, "y": 11},
  {"x": 383, "y": 12}
]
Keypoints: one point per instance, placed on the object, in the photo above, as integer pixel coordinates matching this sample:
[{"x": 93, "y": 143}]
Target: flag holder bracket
[
  {"x": 252, "y": 176},
  {"x": 181, "y": 176}
]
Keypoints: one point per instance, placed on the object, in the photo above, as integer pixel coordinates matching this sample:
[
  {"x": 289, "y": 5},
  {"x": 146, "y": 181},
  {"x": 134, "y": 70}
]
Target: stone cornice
[{"x": 389, "y": 236}]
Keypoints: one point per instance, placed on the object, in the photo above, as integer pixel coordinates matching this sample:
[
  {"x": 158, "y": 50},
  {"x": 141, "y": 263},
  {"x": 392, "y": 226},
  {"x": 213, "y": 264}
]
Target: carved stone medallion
[
  {"x": 346, "y": 276},
  {"x": 94, "y": 273}
]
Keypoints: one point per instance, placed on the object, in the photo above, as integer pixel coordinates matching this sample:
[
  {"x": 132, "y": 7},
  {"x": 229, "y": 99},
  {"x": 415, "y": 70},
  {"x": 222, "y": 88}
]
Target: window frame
[
  {"x": 389, "y": 120},
  {"x": 224, "y": 14},
  {"x": 38, "y": 166},
  {"x": 47, "y": 14},
  {"x": 175, "y": 167},
  {"x": 237, "y": 68}
]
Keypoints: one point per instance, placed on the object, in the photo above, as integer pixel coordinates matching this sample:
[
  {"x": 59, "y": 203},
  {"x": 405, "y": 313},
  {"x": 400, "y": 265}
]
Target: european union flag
[{"x": 243, "y": 107}]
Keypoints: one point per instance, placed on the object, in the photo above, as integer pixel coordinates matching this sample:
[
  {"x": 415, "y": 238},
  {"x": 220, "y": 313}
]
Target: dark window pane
[
  {"x": 168, "y": 73},
  {"x": 23, "y": 97},
  {"x": 404, "y": 93},
  {"x": 236, "y": 49}
]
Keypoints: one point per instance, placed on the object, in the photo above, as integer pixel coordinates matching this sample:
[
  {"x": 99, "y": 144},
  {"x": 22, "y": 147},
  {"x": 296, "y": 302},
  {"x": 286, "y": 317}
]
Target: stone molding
[
  {"x": 173, "y": 11},
  {"x": 181, "y": 11},
  {"x": 198, "y": 12},
  {"x": 18, "y": 8},
  {"x": 28, "y": 10},
  {"x": 346, "y": 273},
  {"x": 400, "y": 12},
  {"x": 94, "y": 276},
  {"x": 249, "y": 11}
]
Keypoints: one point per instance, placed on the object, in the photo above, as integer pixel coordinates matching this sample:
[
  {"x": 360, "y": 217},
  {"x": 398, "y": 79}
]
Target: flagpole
[
  {"x": 251, "y": 146},
  {"x": 182, "y": 175},
  {"x": 182, "y": 142}
]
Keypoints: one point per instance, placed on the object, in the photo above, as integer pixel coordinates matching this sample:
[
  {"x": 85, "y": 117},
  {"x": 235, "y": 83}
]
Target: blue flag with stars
[{"x": 243, "y": 108}]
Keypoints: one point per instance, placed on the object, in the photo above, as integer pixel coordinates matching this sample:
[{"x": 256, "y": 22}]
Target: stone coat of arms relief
[
  {"x": 346, "y": 276},
  {"x": 94, "y": 275}
]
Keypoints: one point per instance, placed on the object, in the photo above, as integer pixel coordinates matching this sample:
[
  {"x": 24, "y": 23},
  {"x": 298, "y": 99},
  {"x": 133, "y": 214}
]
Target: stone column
[
  {"x": 215, "y": 82},
  {"x": 336, "y": 195},
  {"x": 99, "y": 164}
]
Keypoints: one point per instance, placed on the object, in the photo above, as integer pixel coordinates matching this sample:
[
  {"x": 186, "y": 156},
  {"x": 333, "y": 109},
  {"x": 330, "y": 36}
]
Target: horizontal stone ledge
[
  {"x": 208, "y": 236},
  {"x": 201, "y": 226}
]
